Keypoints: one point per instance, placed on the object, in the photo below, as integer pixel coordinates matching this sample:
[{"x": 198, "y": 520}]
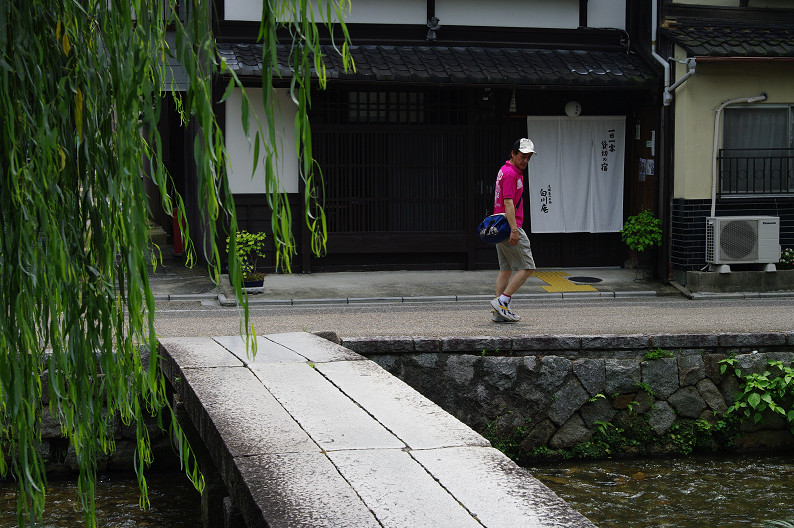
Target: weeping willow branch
[{"x": 81, "y": 87}]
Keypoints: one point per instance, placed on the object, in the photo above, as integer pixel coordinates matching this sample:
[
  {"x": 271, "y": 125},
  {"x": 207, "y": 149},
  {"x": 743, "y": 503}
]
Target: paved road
[{"x": 647, "y": 315}]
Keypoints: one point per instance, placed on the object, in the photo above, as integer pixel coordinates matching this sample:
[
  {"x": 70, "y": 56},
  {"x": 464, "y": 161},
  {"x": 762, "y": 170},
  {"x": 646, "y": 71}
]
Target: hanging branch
[{"x": 81, "y": 85}]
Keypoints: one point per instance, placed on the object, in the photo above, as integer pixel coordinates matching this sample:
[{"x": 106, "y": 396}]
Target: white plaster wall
[
  {"x": 696, "y": 102},
  {"x": 241, "y": 154},
  {"x": 606, "y": 14},
  {"x": 561, "y": 14},
  {"x": 360, "y": 12},
  {"x": 514, "y": 13}
]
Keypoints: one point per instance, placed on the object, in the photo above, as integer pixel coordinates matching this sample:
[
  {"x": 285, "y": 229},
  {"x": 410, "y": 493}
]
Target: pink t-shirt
[{"x": 509, "y": 185}]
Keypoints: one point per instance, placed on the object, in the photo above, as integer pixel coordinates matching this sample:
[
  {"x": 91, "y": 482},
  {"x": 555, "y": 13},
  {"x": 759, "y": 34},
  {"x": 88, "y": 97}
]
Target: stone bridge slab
[{"x": 309, "y": 433}]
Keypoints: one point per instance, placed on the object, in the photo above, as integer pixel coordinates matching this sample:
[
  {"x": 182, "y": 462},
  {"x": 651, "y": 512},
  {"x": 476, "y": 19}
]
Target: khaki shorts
[{"x": 518, "y": 257}]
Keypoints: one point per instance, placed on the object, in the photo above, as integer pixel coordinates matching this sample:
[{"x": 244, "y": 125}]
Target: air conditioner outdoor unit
[{"x": 743, "y": 240}]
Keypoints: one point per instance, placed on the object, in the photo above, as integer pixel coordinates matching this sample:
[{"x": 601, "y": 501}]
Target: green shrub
[
  {"x": 250, "y": 248},
  {"x": 642, "y": 231}
]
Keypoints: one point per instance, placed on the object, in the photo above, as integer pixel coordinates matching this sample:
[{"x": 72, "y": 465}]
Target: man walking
[{"x": 516, "y": 264}]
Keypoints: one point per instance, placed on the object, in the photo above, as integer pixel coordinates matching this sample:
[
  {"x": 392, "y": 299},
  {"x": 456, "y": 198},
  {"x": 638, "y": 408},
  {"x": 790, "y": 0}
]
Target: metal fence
[{"x": 756, "y": 171}]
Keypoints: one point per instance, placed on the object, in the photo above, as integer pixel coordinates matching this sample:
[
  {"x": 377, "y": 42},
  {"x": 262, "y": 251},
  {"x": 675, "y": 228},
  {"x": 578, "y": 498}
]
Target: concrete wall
[{"x": 547, "y": 388}]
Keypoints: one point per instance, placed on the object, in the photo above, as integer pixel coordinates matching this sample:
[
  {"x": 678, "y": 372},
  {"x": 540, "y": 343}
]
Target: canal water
[
  {"x": 686, "y": 492},
  {"x": 175, "y": 503}
]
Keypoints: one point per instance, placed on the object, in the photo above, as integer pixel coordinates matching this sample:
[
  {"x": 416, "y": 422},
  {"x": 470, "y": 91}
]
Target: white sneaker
[
  {"x": 497, "y": 318},
  {"x": 504, "y": 311}
]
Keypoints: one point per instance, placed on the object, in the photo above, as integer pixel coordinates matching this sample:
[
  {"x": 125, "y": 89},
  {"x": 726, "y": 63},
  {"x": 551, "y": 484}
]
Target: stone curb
[
  {"x": 230, "y": 301},
  {"x": 728, "y": 295},
  {"x": 619, "y": 346}
]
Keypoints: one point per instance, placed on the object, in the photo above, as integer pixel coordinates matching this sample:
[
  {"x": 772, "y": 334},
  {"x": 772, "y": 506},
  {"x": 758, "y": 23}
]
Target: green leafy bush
[
  {"x": 250, "y": 247},
  {"x": 657, "y": 353},
  {"x": 642, "y": 231},
  {"x": 759, "y": 392}
]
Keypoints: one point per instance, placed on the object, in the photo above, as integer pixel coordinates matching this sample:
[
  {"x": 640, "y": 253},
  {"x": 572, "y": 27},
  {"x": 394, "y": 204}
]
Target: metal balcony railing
[{"x": 756, "y": 171}]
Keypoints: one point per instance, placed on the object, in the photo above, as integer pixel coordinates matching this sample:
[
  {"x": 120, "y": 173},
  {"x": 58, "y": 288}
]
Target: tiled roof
[
  {"x": 704, "y": 38},
  {"x": 463, "y": 65}
]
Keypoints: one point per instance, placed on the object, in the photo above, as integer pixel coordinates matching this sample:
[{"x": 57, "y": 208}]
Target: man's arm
[{"x": 510, "y": 214}]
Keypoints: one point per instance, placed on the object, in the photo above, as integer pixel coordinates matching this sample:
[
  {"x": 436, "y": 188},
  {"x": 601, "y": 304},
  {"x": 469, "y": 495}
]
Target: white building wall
[
  {"x": 360, "y": 12},
  {"x": 558, "y": 14},
  {"x": 241, "y": 154},
  {"x": 606, "y": 14}
]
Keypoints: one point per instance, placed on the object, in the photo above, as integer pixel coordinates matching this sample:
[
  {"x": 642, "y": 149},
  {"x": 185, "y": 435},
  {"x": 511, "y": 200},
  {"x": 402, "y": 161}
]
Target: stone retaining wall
[{"x": 549, "y": 392}]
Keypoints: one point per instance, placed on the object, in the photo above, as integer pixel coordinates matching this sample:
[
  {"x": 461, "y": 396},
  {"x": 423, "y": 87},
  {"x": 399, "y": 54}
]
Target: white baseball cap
[{"x": 526, "y": 146}]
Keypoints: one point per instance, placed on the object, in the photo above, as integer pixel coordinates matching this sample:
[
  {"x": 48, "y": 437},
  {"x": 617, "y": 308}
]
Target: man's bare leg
[{"x": 508, "y": 282}]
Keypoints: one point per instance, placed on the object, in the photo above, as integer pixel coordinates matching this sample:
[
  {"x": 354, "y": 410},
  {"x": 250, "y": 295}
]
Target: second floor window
[{"x": 757, "y": 155}]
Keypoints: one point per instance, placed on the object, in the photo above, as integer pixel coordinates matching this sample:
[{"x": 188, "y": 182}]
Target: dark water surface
[
  {"x": 175, "y": 503},
  {"x": 692, "y": 492}
]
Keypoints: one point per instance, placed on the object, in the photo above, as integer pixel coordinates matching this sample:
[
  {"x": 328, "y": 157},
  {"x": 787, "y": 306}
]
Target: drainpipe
[
  {"x": 691, "y": 62},
  {"x": 667, "y": 97},
  {"x": 746, "y": 100}
]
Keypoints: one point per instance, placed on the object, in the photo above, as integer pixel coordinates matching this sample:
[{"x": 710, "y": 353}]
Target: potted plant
[
  {"x": 642, "y": 231},
  {"x": 250, "y": 248}
]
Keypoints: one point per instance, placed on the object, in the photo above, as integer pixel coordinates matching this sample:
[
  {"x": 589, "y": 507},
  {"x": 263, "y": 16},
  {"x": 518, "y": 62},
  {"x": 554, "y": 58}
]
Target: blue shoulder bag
[{"x": 495, "y": 228}]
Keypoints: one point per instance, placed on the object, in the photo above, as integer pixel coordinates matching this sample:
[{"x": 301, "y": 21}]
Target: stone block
[
  {"x": 571, "y": 433},
  {"x": 713, "y": 366},
  {"x": 661, "y": 417},
  {"x": 752, "y": 363},
  {"x": 661, "y": 376},
  {"x": 591, "y": 374},
  {"x": 411, "y": 417},
  {"x": 494, "y": 490},
  {"x": 538, "y": 436},
  {"x": 427, "y": 344},
  {"x": 567, "y": 401},
  {"x": 687, "y": 402},
  {"x": 553, "y": 371},
  {"x": 298, "y": 489},
  {"x": 476, "y": 344},
  {"x": 547, "y": 343},
  {"x": 399, "y": 490},
  {"x": 501, "y": 372},
  {"x": 379, "y": 345},
  {"x": 691, "y": 369},
  {"x": 692, "y": 341},
  {"x": 598, "y": 410},
  {"x": 712, "y": 395},
  {"x": 314, "y": 348},
  {"x": 615, "y": 342},
  {"x": 460, "y": 368},
  {"x": 752, "y": 340},
  {"x": 622, "y": 375}
]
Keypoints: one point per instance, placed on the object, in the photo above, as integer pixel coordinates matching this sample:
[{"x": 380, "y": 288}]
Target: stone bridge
[{"x": 310, "y": 433}]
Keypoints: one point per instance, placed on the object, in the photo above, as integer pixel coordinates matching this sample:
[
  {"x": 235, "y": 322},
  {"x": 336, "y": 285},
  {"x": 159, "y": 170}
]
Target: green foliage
[
  {"x": 657, "y": 353},
  {"x": 786, "y": 259},
  {"x": 508, "y": 443},
  {"x": 249, "y": 247},
  {"x": 606, "y": 437},
  {"x": 689, "y": 435},
  {"x": 770, "y": 390},
  {"x": 642, "y": 231},
  {"x": 79, "y": 82}
]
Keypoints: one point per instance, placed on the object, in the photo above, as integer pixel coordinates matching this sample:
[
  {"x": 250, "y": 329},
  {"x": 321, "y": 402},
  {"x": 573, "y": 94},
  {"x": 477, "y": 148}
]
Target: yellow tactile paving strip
[{"x": 558, "y": 283}]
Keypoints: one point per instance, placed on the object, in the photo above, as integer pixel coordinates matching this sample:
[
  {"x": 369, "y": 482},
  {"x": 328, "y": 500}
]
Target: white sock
[{"x": 504, "y": 299}]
